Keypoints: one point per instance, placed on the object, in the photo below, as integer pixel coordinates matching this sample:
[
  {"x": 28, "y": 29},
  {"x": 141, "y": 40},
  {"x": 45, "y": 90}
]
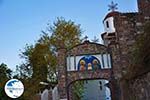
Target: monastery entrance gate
[{"x": 85, "y": 61}]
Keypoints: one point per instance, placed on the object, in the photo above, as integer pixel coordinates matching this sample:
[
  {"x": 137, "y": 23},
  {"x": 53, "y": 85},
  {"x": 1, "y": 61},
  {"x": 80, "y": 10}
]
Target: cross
[
  {"x": 113, "y": 6},
  {"x": 95, "y": 40},
  {"x": 86, "y": 37}
]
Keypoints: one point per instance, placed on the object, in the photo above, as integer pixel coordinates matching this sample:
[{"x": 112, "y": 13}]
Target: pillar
[{"x": 62, "y": 74}]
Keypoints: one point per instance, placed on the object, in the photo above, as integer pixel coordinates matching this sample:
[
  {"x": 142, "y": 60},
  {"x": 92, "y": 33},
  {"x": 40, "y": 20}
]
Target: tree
[
  {"x": 41, "y": 59},
  {"x": 63, "y": 32},
  {"x": 5, "y": 72},
  {"x": 5, "y": 75},
  {"x": 95, "y": 40},
  {"x": 24, "y": 70},
  {"x": 78, "y": 90}
]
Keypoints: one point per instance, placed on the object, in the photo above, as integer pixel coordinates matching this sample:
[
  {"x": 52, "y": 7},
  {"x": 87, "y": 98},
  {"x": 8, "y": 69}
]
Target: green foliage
[
  {"x": 38, "y": 61},
  {"x": 78, "y": 90},
  {"x": 5, "y": 75},
  {"x": 41, "y": 59},
  {"x": 64, "y": 33},
  {"x": 5, "y": 72},
  {"x": 28, "y": 50},
  {"x": 24, "y": 70}
]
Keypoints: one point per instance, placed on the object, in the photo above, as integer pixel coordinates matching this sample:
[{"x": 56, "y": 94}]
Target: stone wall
[
  {"x": 62, "y": 73},
  {"x": 144, "y": 6},
  {"x": 128, "y": 28},
  {"x": 87, "y": 47},
  {"x": 66, "y": 78},
  {"x": 85, "y": 75},
  {"x": 139, "y": 87}
]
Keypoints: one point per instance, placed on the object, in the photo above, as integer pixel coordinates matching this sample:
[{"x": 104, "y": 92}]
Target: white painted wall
[
  {"x": 55, "y": 95},
  {"x": 111, "y": 28},
  {"x": 44, "y": 95}
]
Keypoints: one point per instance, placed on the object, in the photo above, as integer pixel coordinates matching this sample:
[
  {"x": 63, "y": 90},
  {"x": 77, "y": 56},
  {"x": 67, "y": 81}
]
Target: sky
[{"x": 21, "y": 21}]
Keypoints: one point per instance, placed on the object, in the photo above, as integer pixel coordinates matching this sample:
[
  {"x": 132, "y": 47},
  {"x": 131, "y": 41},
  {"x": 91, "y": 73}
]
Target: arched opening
[{"x": 93, "y": 89}]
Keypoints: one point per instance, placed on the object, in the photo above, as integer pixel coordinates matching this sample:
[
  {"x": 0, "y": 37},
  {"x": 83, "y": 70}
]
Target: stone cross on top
[
  {"x": 86, "y": 38},
  {"x": 113, "y": 6}
]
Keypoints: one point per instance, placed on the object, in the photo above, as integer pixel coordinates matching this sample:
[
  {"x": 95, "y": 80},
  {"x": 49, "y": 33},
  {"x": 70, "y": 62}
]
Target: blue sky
[{"x": 21, "y": 21}]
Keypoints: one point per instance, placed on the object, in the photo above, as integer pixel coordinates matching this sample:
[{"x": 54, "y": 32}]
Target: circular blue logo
[{"x": 14, "y": 88}]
